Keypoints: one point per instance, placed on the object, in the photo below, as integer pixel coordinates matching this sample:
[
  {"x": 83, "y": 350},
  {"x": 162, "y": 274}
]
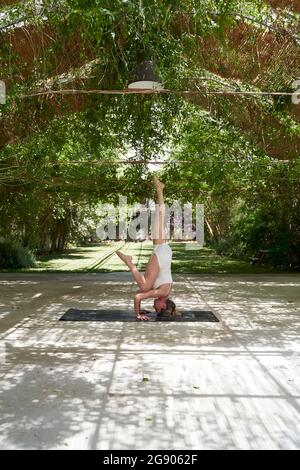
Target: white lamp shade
[
  {"x": 145, "y": 77},
  {"x": 145, "y": 85}
]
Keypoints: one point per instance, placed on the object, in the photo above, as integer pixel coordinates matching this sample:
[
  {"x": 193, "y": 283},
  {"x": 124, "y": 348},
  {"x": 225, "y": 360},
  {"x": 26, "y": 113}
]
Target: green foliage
[
  {"x": 251, "y": 201},
  {"x": 14, "y": 256},
  {"x": 60, "y": 162},
  {"x": 265, "y": 227}
]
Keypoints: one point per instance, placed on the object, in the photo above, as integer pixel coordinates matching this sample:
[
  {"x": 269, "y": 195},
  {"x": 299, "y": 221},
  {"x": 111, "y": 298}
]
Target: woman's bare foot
[
  {"x": 125, "y": 258},
  {"x": 158, "y": 184}
]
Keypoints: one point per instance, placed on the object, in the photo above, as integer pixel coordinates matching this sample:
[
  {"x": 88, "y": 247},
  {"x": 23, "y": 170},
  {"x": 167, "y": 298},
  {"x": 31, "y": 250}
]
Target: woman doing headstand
[{"x": 157, "y": 281}]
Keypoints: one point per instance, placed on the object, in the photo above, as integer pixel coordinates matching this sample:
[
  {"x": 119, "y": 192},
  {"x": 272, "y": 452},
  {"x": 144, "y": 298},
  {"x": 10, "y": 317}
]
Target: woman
[{"x": 157, "y": 281}]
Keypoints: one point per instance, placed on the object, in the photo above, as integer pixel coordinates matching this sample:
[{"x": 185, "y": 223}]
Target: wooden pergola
[{"x": 261, "y": 57}]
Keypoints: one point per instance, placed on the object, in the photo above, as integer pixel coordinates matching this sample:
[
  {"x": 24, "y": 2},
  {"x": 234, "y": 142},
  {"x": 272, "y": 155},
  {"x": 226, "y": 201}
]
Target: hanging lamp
[{"x": 145, "y": 77}]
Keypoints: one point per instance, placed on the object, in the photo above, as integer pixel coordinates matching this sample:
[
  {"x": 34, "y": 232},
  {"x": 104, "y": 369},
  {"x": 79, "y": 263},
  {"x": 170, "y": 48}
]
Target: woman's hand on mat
[{"x": 142, "y": 316}]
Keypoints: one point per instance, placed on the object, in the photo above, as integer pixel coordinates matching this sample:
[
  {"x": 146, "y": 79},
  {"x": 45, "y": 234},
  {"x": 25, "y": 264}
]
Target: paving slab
[{"x": 98, "y": 385}]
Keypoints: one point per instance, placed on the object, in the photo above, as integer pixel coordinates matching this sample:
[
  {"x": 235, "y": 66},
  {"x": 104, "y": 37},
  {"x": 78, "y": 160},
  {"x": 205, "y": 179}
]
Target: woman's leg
[
  {"x": 159, "y": 217},
  {"x": 145, "y": 282}
]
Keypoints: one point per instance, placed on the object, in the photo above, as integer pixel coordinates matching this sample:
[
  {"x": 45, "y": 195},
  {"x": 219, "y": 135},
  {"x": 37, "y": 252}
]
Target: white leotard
[{"x": 164, "y": 256}]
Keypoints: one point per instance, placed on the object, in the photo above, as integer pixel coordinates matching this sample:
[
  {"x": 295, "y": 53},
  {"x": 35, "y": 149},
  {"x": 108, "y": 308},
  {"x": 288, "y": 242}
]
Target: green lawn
[
  {"x": 102, "y": 258},
  {"x": 207, "y": 261}
]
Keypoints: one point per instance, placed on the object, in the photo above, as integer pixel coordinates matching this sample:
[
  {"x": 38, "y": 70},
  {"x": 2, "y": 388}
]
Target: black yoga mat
[{"x": 124, "y": 316}]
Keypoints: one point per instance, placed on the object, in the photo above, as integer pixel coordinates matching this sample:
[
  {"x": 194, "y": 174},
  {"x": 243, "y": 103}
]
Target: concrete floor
[{"x": 230, "y": 385}]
